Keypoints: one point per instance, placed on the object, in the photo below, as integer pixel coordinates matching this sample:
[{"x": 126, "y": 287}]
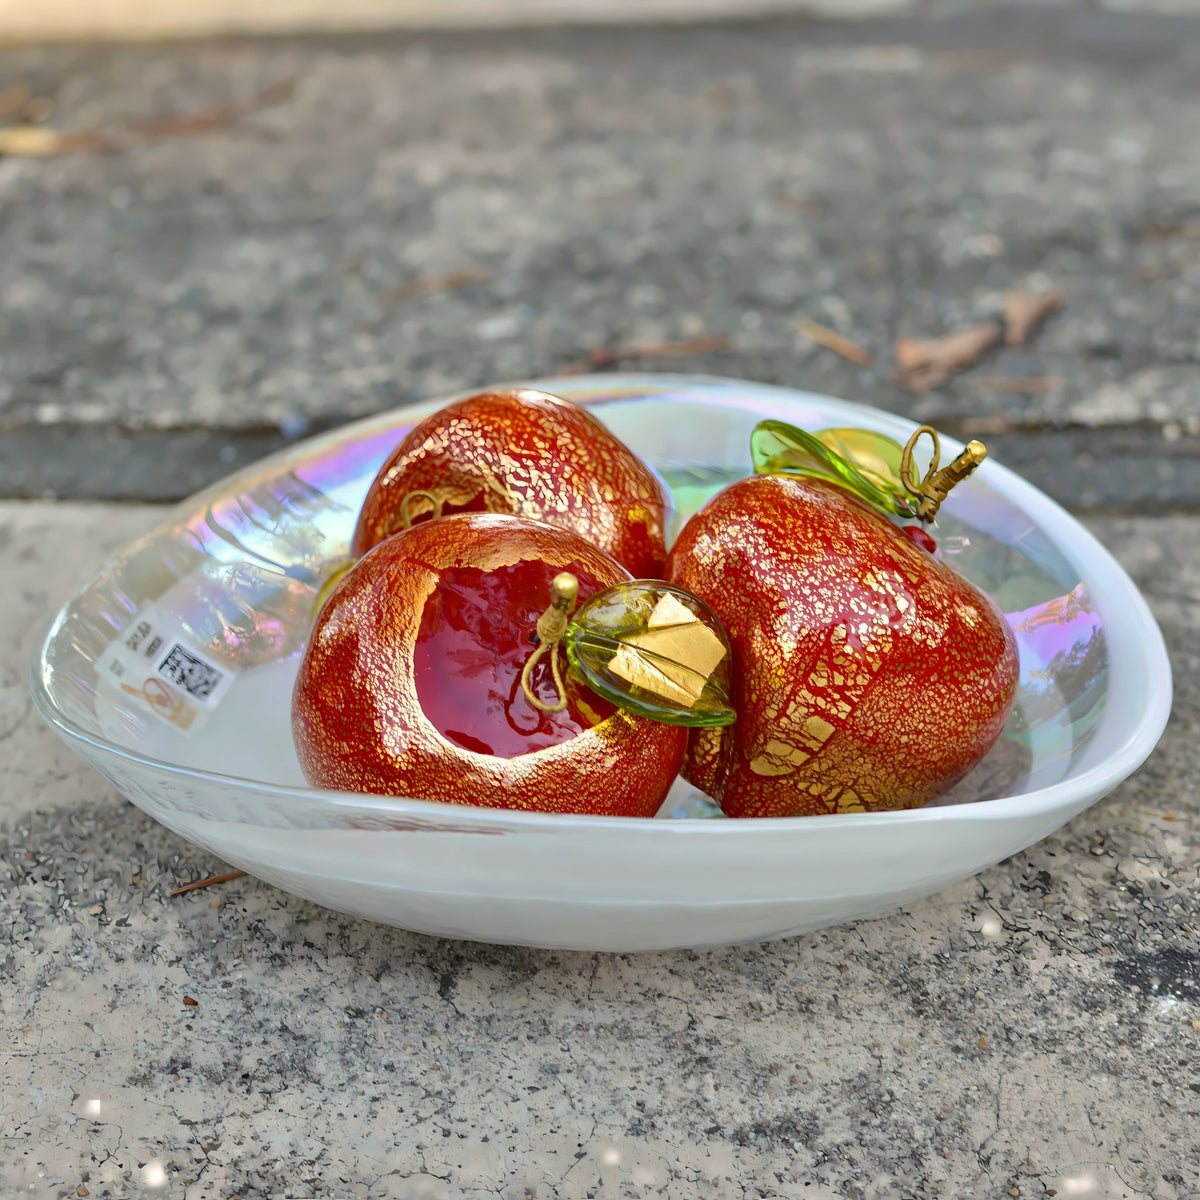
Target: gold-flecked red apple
[
  {"x": 867, "y": 674},
  {"x": 525, "y": 453},
  {"x": 417, "y": 680}
]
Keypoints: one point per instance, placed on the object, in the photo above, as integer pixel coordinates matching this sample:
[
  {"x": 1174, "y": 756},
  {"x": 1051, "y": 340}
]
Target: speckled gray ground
[
  {"x": 194, "y": 301},
  {"x": 603, "y": 189},
  {"x": 1036, "y": 1027}
]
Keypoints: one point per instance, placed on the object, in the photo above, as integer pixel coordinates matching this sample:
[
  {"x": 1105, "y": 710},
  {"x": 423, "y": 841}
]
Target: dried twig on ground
[
  {"x": 606, "y": 356},
  {"x": 187, "y": 124},
  {"x": 38, "y": 141},
  {"x": 1025, "y": 311},
  {"x": 1025, "y": 385},
  {"x": 832, "y": 340},
  {"x": 808, "y": 205},
  {"x": 430, "y": 285},
  {"x": 711, "y": 344},
  {"x": 203, "y": 883},
  {"x": 926, "y": 365}
]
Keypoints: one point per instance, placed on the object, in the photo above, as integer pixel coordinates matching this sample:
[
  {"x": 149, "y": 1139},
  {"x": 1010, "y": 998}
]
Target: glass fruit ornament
[
  {"x": 430, "y": 673},
  {"x": 526, "y": 453},
  {"x": 866, "y": 673}
]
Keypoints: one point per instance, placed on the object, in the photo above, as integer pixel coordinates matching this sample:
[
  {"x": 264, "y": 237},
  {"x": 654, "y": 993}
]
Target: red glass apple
[
  {"x": 867, "y": 675},
  {"x": 530, "y": 454},
  {"x": 411, "y": 682}
]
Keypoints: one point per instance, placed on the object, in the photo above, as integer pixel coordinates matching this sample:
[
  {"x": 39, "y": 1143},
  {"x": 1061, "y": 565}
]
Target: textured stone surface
[
  {"x": 195, "y": 300},
  {"x": 1036, "y": 1027},
  {"x": 142, "y": 19},
  {"x": 609, "y": 189},
  {"x": 153, "y": 19}
]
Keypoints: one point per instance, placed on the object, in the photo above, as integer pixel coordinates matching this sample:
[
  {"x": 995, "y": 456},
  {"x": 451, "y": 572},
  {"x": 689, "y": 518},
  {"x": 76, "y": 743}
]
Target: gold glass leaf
[
  {"x": 875, "y": 455},
  {"x": 655, "y": 650}
]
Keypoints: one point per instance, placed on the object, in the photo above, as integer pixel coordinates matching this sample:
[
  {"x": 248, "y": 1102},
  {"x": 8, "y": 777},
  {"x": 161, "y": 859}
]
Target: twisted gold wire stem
[
  {"x": 551, "y": 626},
  {"x": 937, "y": 484}
]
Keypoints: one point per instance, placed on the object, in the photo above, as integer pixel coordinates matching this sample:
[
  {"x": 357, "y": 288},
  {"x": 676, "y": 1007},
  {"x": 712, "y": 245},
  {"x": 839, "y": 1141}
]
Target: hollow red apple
[
  {"x": 529, "y": 454},
  {"x": 867, "y": 675},
  {"x": 411, "y": 682}
]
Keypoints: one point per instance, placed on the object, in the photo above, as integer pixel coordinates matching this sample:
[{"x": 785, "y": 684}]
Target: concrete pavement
[
  {"x": 1034, "y": 1028},
  {"x": 289, "y": 233}
]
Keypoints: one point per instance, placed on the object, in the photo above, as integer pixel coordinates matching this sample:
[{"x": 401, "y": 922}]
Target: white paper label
[{"x": 155, "y": 662}]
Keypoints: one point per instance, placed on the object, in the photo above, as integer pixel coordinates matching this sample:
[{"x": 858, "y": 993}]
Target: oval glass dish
[{"x": 223, "y": 590}]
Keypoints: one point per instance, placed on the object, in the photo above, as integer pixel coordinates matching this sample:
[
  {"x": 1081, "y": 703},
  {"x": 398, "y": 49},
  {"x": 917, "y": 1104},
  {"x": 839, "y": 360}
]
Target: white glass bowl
[{"x": 229, "y": 579}]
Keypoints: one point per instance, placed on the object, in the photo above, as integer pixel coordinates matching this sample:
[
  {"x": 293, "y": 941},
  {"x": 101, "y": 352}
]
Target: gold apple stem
[
  {"x": 551, "y": 626},
  {"x": 935, "y": 487},
  {"x": 406, "y": 517}
]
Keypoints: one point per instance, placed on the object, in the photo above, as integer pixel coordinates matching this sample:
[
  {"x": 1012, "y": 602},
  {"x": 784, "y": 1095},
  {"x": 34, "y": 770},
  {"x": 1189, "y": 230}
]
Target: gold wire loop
[
  {"x": 406, "y": 516},
  {"x": 913, "y": 484},
  {"x": 935, "y": 487},
  {"x": 551, "y": 626}
]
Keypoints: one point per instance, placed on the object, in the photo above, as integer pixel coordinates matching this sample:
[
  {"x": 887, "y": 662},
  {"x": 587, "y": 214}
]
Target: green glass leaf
[
  {"x": 655, "y": 650},
  {"x": 864, "y": 463}
]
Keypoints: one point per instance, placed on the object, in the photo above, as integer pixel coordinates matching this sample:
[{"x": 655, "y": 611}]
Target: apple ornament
[
  {"x": 866, "y": 673},
  {"x": 437, "y": 670},
  {"x": 529, "y": 454}
]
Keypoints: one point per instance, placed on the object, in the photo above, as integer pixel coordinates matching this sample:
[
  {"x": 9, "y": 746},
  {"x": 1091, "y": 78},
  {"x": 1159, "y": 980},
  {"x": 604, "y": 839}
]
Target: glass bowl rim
[{"x": 1138, "y": 741}]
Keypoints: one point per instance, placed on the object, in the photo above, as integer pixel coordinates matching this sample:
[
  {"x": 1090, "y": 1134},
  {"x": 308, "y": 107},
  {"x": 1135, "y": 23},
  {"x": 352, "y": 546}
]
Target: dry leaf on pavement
[
  {"x": 1025, "y": 311},
  {"x": 13, "y": 99},
  {"x": 926, "y": 365}
]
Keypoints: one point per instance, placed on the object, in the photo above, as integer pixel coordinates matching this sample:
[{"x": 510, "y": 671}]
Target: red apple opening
[{"x": 411, "y": 682}]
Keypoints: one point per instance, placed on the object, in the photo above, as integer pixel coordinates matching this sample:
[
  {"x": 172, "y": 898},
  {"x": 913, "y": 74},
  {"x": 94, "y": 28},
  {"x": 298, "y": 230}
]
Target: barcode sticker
[
  {"x": 154, "y": 662},
  {"x": 198, "y": 678}
]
